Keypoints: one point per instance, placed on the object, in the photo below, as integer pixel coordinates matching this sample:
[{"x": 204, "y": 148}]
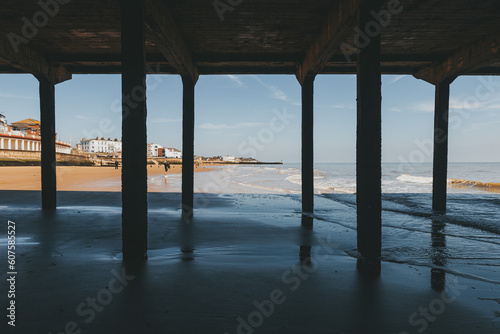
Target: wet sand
[
  {"x": 219, "y": 273},
  {"x": 78, "y": 178}
]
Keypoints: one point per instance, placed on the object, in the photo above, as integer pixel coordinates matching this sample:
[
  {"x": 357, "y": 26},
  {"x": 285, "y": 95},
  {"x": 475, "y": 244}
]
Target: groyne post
[{"x": 134, "y": 155}]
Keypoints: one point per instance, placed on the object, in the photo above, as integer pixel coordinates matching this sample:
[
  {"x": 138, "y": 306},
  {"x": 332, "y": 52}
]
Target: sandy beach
[
  {"x": 71, "y": 178},
  {"x": 246, "y": 245},
  {"x": 218, "y": 274}
]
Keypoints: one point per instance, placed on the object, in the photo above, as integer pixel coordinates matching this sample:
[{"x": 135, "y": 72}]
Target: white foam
[{"x": 415, "y": 179}]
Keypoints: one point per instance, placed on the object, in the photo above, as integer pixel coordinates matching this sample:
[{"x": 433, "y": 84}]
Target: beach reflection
[
  {"x": 187, "y": 243},
  {"x": 438, "y": 254},
  {"x": 305, "y": 240}
]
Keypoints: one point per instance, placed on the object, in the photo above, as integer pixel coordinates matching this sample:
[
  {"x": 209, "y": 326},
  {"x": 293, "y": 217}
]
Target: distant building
[
  {"x": 30, "y": 126},
  {"x": 3, "y": 124},
  {"x": 153, "y": 150},
  {"x": 172, "y": 153},
  {"x": 101, "y": 145},
  {"x": 25, "y": 136},
  {"x": 229, "y": 158}
]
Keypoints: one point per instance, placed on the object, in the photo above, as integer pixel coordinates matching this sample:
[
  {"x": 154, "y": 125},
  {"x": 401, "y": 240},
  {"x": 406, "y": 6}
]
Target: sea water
[
  {"x": 340, "y": 178},
  {"x": 464, "y": 241}
]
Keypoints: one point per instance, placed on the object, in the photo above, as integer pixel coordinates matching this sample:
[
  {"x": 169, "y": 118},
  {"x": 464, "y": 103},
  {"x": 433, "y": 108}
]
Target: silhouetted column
[
  {"x": 48, "y": 128},
  {"x": 440, "y": 168},
  {"x": 369, "y": 146},
  {"x": 187, "y": 147},
  {"x": 134, "y": 155},
  {"x": 308, "y": 145}
]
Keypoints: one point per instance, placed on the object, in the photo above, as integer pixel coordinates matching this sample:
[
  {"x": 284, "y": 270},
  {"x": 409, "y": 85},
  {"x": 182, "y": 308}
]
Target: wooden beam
[
  {"x": 24, "y": 57},
  {"x": 338, "y": 26},
  {"x": 168, "y": 38},
  {"x": 467, "y": 59}
]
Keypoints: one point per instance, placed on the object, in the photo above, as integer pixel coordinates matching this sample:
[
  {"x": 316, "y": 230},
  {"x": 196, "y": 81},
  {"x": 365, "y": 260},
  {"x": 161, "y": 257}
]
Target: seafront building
[
  {"x": 153, "y": 150},
  {"x": 101, "y": 145},
  {"x": 229, "y": 158},
  {"x": 25, "y": 135},
  {"x": 169, "y": 152},
  {"x": 109, "y": 146}
]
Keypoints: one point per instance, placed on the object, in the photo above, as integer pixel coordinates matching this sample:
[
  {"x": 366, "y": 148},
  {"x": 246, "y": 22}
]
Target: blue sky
[{"x": 231, "y": 110}]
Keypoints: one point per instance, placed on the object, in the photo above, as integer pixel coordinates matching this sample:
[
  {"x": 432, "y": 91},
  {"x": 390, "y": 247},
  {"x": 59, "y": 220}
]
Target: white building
[
  {"x": 3, "y": 124},
  {"x": 172, "y": 153},
  {"x": 228, "y": 158},
  {"x": 25, "y": 136},
  {"x": 101, "y": 145},
  {"x": 153, "y": 150}
]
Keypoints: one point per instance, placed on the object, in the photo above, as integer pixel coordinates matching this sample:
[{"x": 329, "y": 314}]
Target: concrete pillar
[
  {"x": 369, "y": 147},
  {"x": 16, "y": 144},
  {"x": 307, "y": 145},
  {"x": 9, "y": 144},
  {"x": 1, "y": 143},
  {"x": 134, "y": 170},
  {"x": 440, "y": 162},
  {"x": 48, "y": 126},
  {"x": 22, "y": 145},
  {"x": 187, "y": 147}
]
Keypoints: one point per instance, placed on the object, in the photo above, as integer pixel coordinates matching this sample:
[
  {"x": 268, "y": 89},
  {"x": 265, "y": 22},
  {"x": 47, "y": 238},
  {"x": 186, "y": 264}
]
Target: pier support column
[
  {"x": 440, "y": 162},
  {"x": 369, "y": 147},
  {"x": 187, "y": 147},
  {"x": 308, "y": 145},
  {"x": 134, "y": 151},
  {"x": 48, "y": 127}
]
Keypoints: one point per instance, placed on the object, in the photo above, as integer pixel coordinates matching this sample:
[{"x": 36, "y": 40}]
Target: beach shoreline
[{"x": 78, "y": 178}]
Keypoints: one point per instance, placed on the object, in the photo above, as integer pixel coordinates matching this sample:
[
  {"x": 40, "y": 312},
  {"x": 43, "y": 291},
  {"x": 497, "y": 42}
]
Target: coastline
[{"x": 76, "y": 178}]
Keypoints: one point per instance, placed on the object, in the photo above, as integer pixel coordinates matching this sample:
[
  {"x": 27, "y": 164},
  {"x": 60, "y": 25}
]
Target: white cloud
[
  {"x": 275, "y": 91},
  {"x": 85, "y": 118},
  {"x": 482, "y": 126},
  {"x": 13, "y": 96},
  {"x": 397, "y": 78},
  {"x": 165, "y": 120},
  {"x": 427, "y": 106},
  {"x": 241, "y": 125},
  {"x": 236, "y": 80},
  {"x": 494, "y": 106}
]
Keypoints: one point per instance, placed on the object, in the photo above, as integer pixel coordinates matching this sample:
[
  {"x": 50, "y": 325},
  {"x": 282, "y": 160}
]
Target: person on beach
[
  {"x": 167, "y": 167},
  {"x": 116, "y": 164}
]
